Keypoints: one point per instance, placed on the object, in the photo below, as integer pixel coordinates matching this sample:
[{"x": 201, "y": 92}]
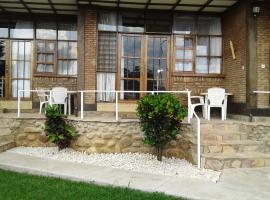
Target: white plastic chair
[
  {"x": 216, "y": 99},
  {"x": 192, "y": 106},
  {"x": 43, "y": 98},
  {"x": 59, "y": 97}
]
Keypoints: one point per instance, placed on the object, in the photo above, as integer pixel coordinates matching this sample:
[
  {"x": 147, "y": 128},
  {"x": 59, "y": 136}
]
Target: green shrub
[
  {"x": 58, "y": 130},
  {"x": 160, "y": 116}
]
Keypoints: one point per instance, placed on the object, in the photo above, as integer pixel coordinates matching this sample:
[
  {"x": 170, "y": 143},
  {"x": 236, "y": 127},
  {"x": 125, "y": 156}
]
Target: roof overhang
[{"x": 70, "y": 7}]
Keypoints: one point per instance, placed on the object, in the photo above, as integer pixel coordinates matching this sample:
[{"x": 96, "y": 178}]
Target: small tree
[
  {"x": 57, "y": 129},
  {"x": 160, "y": 116}
]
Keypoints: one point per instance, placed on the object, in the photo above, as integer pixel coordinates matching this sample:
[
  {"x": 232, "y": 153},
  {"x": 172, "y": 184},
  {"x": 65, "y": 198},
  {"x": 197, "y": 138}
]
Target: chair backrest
[
  {"x": 216, "y": 96},
  {"x": 41, "y": 94},
  {"x": 59, "y": 95}
]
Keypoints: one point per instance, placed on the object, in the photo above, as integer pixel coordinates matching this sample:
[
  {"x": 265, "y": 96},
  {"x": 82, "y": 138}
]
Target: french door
[
  {"x": 20, "y": 67},
  {"x": 143, "y": 64}
]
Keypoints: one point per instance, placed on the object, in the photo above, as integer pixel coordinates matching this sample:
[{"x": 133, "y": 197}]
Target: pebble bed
[{"x": 136, "y": 162}]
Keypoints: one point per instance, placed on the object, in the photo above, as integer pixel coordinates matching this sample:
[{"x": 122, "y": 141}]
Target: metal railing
[
  {"x": 83, "y": 92},
  {"x": 261, "y": 92}
]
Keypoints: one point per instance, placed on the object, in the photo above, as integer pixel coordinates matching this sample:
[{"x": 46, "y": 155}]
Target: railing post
[
  {"x": 82, "y": 105},
  {"x": 199, "y": 142},
  {"x": 189, "y": 103},
  {"x": 19, "y": 103},
  {"x": 116, "y": 105},
  {"x": 50, "y": 98}
]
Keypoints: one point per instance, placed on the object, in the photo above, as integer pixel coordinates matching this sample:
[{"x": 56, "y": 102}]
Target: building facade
[{"x": 137, "y": 45}]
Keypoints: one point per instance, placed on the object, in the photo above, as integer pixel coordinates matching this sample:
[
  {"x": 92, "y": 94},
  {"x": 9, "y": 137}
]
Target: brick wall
[
  {"x": 263, "y": 55},
  {"x": 234, "y": 29},
  {"x": 197, "y": 85},
  {"x": 90, "y": 54}
]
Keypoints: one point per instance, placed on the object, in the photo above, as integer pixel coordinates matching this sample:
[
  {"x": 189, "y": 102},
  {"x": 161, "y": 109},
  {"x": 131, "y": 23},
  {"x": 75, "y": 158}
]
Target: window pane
[
  {"x": 107, "y": 21},
  {"x": 67, "y": 32},
  {"x": 106, "y": 52},
  {"x": 158, "y": 22},
  {"x": 202, "y": 65},
  {"x": 184, "y": 24},
  {"x": 215, "y": 46},
  {"x": 209, "y": 26},
  {"x": 215, "y": 66},
  {"x": 131, "y": 22},
  {"x": 188, "y": 66},
  {"x": 179, "y": 66},
  {"x": 46, "y": 30},
  {"x": 180, "y": 42},
  {"x": 22, "y": 29},
  {"x": 202, "y": 46},
  {"x": 106, "y": 82},
  {"x": 3, "y": 30}
]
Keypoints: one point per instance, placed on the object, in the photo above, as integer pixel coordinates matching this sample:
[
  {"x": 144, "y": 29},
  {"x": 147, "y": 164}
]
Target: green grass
[{"x": 23, "y": 186}]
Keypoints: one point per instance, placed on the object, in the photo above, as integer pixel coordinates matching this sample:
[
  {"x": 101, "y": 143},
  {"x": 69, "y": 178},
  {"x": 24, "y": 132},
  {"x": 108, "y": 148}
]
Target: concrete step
[
  {"x": 218, "y": 161},
  {"x": 223, "y": 136},
  {"x": 232, "y": 147},
  {"x": 6, "y": 146}
]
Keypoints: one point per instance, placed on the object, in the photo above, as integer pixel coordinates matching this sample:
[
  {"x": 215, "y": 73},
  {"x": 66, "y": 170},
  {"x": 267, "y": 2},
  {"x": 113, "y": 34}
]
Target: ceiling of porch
[{"x": 70, "y": 7}]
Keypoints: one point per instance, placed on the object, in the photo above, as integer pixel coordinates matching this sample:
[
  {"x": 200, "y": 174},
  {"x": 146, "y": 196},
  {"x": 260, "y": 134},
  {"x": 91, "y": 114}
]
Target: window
[
  {"x": 22, "y": 30},
  {"x": 158, "y": 22},
  {"x": 21, "y": 67},
  {"x": 106, "y": 66},
  {"x": 131, "y": 22},
  {"x": 107, "y": 21},
  {"x": 130, "y": 66},
  {"x": 56, "y": 55},
  {"x": 45, "y": 56},
  {"x": 184, "y": 54},
  {"x": 106, "y": 52},
  {"x": 67, "y": 58},
  {"x": 3, "y": 30},
  {"x": 67, "y": 32},
  {"x": 199, "y": 47},
  {"x": 46, "y": 30}
]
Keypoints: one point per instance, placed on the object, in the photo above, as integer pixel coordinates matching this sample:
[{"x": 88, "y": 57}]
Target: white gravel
[{"x": 145, "y": 163}]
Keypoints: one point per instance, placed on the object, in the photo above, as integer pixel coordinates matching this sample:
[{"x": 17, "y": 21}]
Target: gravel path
[{"x": 145, "y": 163}]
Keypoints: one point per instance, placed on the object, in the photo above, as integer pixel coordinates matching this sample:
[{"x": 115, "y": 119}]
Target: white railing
[
  {"x": 83, "y": 92},
  {"x": 198, "y": 131},
  {"x": 262, "y": 92}
]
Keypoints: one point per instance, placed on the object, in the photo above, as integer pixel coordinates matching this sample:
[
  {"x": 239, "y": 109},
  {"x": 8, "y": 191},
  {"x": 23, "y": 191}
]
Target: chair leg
[
  {"x": 65, "y": 109},
  {"x": 40, "y": 107},
  {"x": 208, "y": 112}
]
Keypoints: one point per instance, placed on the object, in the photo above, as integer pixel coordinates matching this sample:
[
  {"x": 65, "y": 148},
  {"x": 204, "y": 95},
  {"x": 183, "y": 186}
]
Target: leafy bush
[
  {"x": 160, "y": 116},
  {"x": 58, "y": 130}
]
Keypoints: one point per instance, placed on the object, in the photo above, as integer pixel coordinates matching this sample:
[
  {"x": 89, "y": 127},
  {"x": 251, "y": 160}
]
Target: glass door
[
  {"x": 157, "y": 62},
  {"x": 20, "y": 67},
  {"x": 130, "y": 66}
]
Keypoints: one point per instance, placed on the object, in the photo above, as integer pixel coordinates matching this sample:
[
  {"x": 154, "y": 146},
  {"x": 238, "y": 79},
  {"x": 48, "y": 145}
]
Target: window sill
[
  {"x": 199, "y": 75},
  {"x": 53, "y": 75}
]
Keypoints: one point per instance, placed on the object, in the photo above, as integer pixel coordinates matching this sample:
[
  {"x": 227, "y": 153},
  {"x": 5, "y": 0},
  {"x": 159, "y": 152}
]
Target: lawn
[{"x": 23, "y": 186}]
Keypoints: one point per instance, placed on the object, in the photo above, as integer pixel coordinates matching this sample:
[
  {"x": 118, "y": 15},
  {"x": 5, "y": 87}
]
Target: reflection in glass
[
  {"x": 202, "y": 65},
  {"x": 107, "y": 21},
  {"x": 67, "y": 32},
  {"x": 22, "y": 29},
  {"x": 46, "y": 30},
  {"x": 131, "y": 22}
]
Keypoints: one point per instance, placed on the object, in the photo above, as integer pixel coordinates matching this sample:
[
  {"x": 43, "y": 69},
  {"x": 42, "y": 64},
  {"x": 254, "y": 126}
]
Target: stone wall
[{"x": 105, "y": 137}]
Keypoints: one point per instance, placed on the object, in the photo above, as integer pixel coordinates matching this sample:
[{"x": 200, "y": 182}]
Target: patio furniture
[
  {"x": 59, "y": 96},
  {"x": 43, "y": 98},
  {"x": 192, "y": 106},
  {"x": 216, "y": 98}
]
